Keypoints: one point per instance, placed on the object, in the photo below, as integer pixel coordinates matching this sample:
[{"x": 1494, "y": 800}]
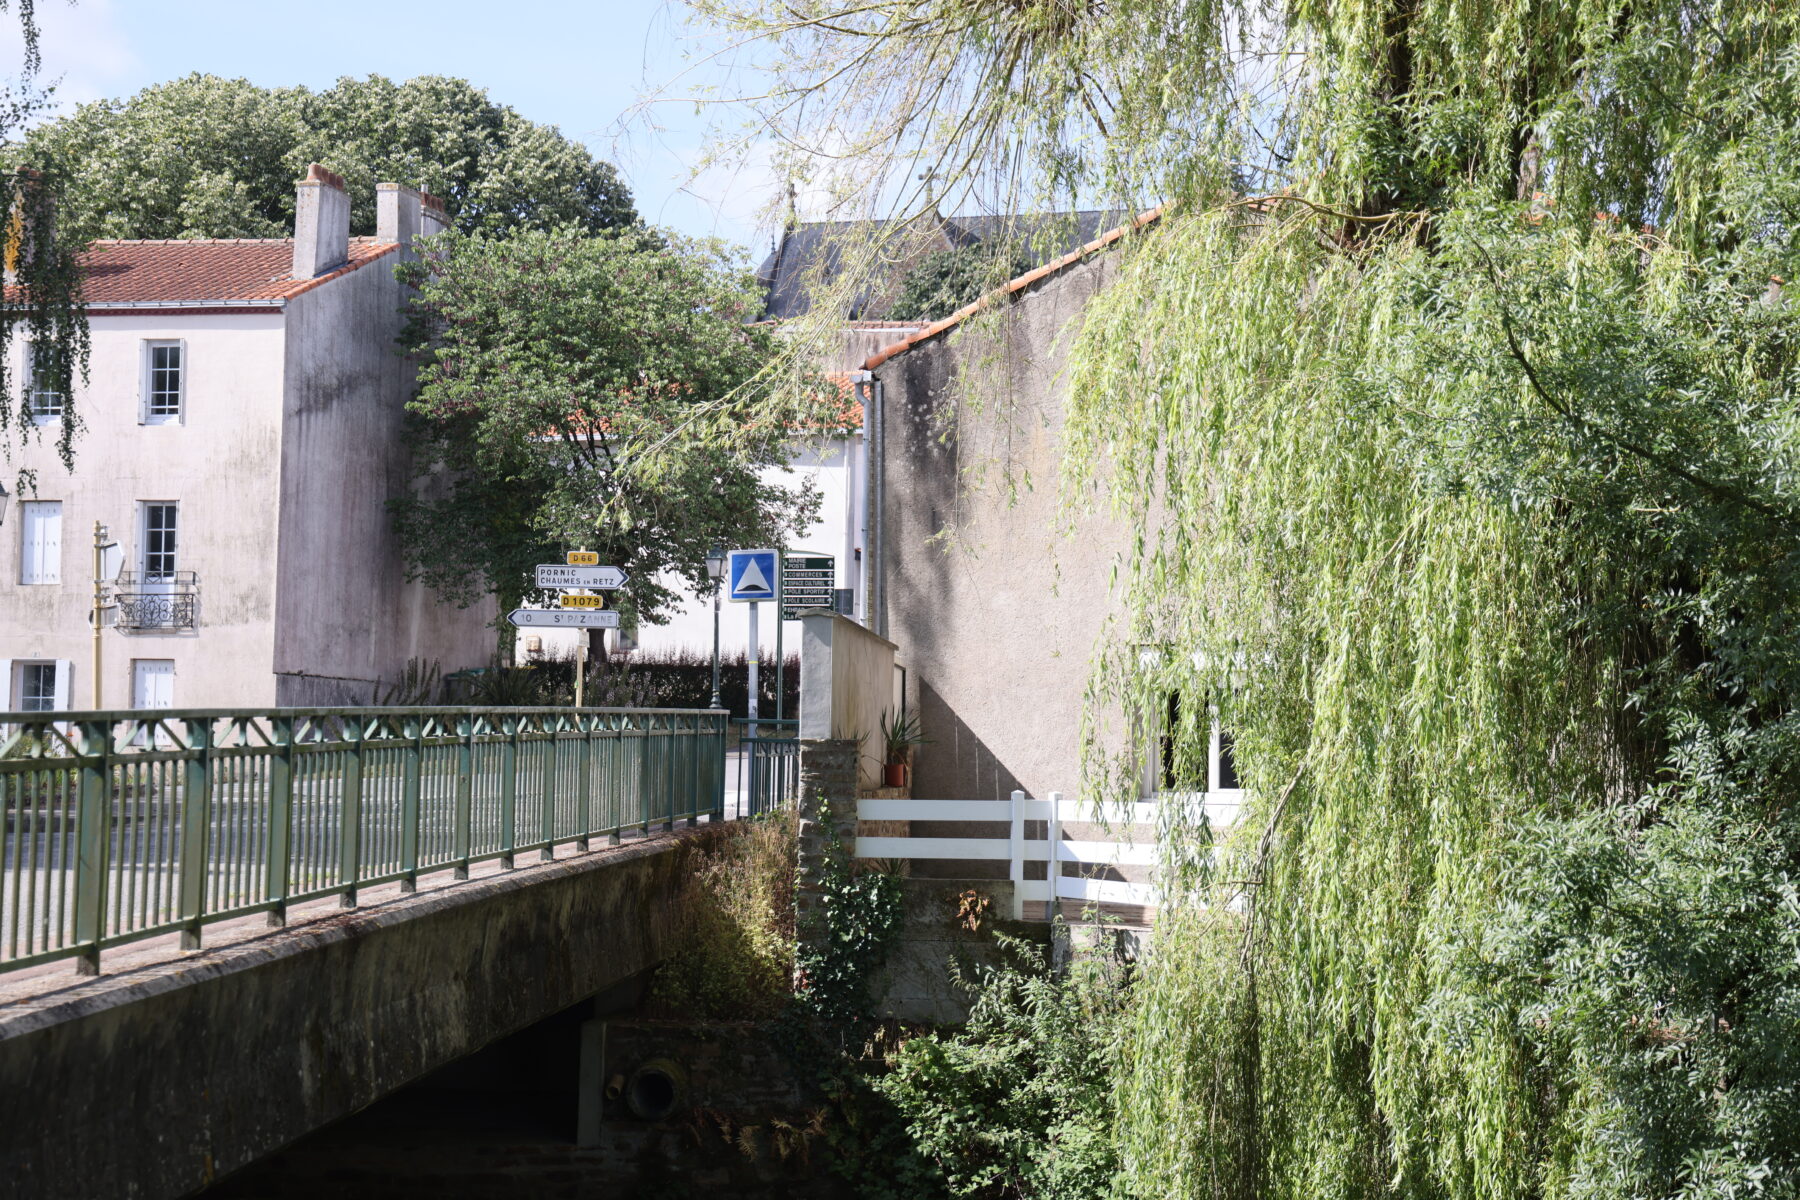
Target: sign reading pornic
[
  {"x": 564, "y": 618},
  {"x": 807, "y": 581},
  {"x": 556, "y": 575}
]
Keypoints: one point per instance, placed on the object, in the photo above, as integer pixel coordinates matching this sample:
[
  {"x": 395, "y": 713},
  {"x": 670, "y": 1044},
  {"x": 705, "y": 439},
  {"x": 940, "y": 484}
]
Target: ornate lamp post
[{"x": 715, "y": 567}]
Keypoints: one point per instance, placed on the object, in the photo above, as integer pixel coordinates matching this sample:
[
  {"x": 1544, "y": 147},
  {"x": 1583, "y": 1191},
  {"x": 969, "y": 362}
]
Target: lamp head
[{"x": 715, "y": 563}]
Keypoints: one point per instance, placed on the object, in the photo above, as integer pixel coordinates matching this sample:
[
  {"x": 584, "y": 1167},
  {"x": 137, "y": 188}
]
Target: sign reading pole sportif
[{"x": 752, "y": 576}]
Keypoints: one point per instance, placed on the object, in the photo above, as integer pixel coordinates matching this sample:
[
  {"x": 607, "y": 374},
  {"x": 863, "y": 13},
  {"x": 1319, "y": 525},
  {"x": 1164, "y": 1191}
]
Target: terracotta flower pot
[{"x": 893, "y": 775}]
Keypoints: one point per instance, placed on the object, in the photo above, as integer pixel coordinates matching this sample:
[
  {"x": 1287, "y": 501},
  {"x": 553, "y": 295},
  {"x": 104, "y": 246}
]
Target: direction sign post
[{"x": 807, "y": 581}]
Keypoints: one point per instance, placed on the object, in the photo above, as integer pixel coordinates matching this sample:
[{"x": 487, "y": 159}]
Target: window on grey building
[
  {"x": 42, "y": 399},
  {"x": 158, "y": 553},
  {"x": 37, "y": 687},
  {"x": 165, "y": 377}
]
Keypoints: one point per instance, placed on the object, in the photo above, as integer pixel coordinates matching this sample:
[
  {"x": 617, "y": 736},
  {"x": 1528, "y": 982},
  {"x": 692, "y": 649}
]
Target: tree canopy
[
  {"x": 1463, "y": 369},
  {"x": 204, "y": 156},
  {"x": 592, "y": 392},
  {"x": 945, "y": 280}
]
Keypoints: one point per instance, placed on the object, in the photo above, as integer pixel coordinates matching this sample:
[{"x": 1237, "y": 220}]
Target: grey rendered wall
[
  {"x": 345, "y": 615},
  {"x": 995, "y": 613}
]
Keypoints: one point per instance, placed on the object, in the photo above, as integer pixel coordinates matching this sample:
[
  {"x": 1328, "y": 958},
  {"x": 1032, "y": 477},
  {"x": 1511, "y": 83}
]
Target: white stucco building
[{"x": 243, "y": 416}]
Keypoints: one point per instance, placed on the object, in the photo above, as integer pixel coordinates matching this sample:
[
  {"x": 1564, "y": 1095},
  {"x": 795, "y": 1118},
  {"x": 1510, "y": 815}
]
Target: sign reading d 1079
[
  {"x": 564, "y": 618},
  {"x": 556, "y": 575}
]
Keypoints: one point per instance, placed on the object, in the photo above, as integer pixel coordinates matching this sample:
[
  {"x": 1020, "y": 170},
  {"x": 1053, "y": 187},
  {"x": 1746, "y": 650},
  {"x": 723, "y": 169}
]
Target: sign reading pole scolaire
[{"x": 752, "y": 576}]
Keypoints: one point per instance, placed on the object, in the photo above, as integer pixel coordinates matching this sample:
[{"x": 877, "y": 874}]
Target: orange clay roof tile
[{"x": 139, "y": 272}]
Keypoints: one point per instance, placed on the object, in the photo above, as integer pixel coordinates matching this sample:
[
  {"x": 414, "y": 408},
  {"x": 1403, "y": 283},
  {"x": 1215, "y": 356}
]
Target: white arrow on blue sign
[{"x": 751, "y": 575}]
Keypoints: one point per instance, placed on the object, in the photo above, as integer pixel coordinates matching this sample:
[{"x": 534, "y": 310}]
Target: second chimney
[
  {"x": 397, "y": 216},
  {"x": 321, "y": 223}
]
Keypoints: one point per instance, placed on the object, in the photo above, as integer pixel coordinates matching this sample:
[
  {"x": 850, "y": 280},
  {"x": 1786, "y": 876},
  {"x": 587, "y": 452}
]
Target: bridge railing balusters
[{"x": 119, "y": 826}]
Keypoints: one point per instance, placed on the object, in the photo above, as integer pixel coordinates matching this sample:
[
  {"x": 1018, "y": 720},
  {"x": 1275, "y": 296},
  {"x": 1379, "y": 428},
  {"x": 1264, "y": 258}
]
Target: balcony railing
[{"x": 157, "y": 602}]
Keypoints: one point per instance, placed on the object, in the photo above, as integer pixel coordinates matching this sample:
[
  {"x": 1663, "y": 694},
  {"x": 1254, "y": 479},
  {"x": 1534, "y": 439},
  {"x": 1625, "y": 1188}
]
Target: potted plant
[{"x": 901, "y": 733}]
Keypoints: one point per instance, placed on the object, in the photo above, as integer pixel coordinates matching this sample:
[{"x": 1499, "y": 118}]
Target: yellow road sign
[
  {"x": 582, "y": 558},
  {"x": 584, "y": 601}
]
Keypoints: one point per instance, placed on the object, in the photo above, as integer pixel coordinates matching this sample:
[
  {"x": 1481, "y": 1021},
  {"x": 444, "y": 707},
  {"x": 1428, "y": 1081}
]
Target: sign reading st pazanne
[
  {"x": 556, "y": 575},
  {"x": 564, "y": 618}
]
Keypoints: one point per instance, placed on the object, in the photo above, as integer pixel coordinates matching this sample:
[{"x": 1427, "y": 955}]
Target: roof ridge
[{"x": 1012, "y": 286}]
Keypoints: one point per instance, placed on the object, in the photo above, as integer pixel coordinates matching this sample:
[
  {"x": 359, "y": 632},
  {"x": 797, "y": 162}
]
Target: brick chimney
[
  {"x": 397, "y": 216},
  {"x": 321, "y": 223}
]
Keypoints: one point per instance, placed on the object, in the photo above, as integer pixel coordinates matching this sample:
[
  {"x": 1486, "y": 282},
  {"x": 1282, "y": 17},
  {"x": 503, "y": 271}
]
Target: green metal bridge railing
[{"x": 120, "y": 826}]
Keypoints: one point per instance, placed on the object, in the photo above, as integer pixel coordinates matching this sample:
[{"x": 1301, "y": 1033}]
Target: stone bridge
[{"x": 155, "y": 1080}]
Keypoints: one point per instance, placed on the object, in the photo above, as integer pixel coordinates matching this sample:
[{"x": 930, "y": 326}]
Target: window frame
[
  {"x": 39, "y": 414},
  {"x": 22, "y": 668},
  {"x": 158, "y": 577},
  {"x": 147, "y": 382}
]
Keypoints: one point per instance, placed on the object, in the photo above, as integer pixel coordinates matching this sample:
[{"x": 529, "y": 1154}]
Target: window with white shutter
[{"x": 41, "y": 541}]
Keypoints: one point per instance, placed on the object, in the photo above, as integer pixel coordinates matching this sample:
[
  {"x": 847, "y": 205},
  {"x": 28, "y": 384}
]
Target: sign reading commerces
[
  {"x": 556, "y": 575},
  {"x": 564, "y": 618},
  {"x": 807, "y": 581}
]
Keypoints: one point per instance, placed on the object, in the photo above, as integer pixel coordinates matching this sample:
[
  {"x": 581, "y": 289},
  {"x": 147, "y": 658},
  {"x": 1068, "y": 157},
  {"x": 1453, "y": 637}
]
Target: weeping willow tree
[{"x": 1461, "y": 380}]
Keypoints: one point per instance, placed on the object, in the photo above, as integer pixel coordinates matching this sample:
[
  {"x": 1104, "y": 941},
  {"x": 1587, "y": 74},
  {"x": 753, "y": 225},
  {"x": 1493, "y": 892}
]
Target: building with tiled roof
[{"x": 241, "y": 439}]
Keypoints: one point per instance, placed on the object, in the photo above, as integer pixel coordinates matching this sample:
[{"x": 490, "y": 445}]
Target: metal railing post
[
  {"x": 547, "y": 815},
  {"x": 614, "y": 779},
  {"x": 644, "y": 742},
  {"x": 1018, "y": 855},
  {"x": 93, "y": 820},
  {"x": 584, "y": 776},
  {"x": 350, "y": 818},
  {"x": 196, "y": 822},
  {"x": 509, "y": 791},
  {"x": 668, "y": 774},
  {"x": 721, "y": 731},
  {"x": 465, "y": 794},
  {"x": 281, "y": 816},
  {"x": 691, "y": 740},
  {"x": 414, "y": 754}
]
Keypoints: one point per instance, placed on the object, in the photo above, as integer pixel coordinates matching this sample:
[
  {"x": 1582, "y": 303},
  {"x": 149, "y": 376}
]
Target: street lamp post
[
  {"x": 715, "y": 567},
  {"x": 3, "y": 499}
]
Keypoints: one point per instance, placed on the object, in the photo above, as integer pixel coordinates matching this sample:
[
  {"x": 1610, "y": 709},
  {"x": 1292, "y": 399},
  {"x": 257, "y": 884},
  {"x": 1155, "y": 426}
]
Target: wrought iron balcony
[{"x": 157, "y": 603}]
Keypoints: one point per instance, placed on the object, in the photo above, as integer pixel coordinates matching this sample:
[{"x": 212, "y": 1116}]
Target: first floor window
[
  {"x": 37, "y": 686},
  {"x": 159, "y": 542},
  {"x": 165, "y": 373}
]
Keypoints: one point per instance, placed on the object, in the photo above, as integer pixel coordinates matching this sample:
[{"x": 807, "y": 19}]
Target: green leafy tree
[
  {"x": 596, "y": 392},
  {"x": 204, "y": 156},
  {"x": 1473, "y": 429}
]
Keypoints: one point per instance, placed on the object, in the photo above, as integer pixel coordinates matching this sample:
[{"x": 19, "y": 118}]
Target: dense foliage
[
  {"x": 202, "y": 156},
  {"x": 945, "y": 280},
  {"x": 1019, "y": 1102},
  {"x": 734, "y": 953},
  {"x": 591, "y": 392},
  {"x": 1473, "y": 437}
]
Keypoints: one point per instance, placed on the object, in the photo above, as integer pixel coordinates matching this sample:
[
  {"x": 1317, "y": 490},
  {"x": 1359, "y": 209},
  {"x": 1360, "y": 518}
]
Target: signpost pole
[
  {"x": 750, "y": 712},
  {"x": 780, "y": 624},
  {"x": 581, "y": 653}
]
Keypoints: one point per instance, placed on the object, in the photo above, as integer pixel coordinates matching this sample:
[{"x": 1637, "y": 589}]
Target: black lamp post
[
  {"x": 715, "y": 567},
  {"x": 3, "y": 499}
]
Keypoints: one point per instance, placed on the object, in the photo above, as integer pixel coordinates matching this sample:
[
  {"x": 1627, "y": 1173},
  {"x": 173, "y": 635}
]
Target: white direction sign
[
  {"x": 564, "y": 618},
  {"x": 556, "y": 575}
]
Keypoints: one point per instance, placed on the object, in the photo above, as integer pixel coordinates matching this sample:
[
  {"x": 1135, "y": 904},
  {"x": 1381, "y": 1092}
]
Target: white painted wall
[{"x": 220, "y": 464}]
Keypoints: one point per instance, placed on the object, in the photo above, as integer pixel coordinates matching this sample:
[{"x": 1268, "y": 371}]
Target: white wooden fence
[{"x": 1054, "y": 850}]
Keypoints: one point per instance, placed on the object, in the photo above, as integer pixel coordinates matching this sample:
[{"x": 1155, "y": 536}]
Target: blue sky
[{"x": 580, "y": 66}]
